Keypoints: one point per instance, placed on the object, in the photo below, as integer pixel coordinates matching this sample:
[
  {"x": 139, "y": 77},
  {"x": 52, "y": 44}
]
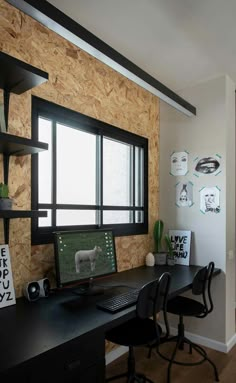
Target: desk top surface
[{"x": 28, "y": 329}]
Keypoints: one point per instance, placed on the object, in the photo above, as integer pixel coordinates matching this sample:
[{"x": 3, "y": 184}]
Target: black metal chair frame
[
  {"x": 201, "y": 286},
  {"x": 151, "y": 300}
]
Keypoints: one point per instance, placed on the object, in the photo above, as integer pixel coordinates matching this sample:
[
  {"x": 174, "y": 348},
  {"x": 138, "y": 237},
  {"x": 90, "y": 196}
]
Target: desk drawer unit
[{"x": 78, "y": 361}]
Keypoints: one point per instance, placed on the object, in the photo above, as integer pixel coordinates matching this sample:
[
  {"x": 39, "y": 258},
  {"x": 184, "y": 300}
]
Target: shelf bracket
[
  {"x": 6, "y": 222},
  {"x": 6, "y": 167},
  {"x": 6, "y": 100}
]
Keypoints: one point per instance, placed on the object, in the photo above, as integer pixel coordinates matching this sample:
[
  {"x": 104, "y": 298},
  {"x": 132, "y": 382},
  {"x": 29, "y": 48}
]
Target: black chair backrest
[
  {"x": 202, "y": 286},
  {"x": 153, "y": 298}
]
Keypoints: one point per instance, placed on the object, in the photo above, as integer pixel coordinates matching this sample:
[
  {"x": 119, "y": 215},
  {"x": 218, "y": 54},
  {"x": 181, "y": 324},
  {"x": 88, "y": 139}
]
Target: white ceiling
[{"x": 179, "y": 42}]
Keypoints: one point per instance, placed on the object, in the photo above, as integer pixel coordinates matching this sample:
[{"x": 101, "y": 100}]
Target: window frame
[{"x": 47, "y": 109}]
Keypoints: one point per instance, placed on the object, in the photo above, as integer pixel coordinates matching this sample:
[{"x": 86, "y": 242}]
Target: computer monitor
[{"x": 82, "y": 256}]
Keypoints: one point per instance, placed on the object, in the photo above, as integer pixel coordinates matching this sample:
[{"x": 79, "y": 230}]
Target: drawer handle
[{"x": 72, "y": 365}]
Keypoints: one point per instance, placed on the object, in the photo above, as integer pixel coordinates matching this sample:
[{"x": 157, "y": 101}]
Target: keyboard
[{"x": 119, "y": 302}]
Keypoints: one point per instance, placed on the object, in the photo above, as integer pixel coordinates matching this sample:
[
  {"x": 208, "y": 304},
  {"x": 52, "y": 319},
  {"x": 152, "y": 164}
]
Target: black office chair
[
  {"x": 183, "y": 306},
  {"x": 144, "y": 329}
]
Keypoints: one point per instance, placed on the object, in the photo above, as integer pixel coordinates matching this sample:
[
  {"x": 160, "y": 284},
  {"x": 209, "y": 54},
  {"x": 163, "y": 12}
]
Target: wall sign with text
[
  {"x": 181, "y": 240},
  {"x": 7, "y": 292}
]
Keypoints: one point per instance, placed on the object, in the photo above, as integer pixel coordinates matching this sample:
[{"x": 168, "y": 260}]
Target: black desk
[{"x": 62, "y": 338}]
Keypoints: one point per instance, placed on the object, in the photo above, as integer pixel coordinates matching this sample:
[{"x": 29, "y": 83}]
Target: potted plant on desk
[
  {"x": 170, "y": 256},
  {"x": 5, "y": 201},
  {"x": 159, "y": 253}
]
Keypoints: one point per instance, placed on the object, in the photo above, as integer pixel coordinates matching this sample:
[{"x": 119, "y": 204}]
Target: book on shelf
[{"x": 2, "y": 119}]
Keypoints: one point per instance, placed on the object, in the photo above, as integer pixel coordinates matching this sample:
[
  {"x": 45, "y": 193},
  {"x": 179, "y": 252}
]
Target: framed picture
[
  {"x": 7, "y": 292},
  {"x": 181, "y": 241}
]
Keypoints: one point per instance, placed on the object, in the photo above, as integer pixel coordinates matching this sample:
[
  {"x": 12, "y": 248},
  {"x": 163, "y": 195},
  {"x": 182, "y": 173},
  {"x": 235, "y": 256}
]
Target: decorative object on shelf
[
  {"x": 150, "y": 260},
  {"x": 5, "y": 201},
  {"x": 159, "y": 254},
  {"x": 7, "y": 292},
  {"x": 2, "y": 119},
  {"x": 181, "y": 240}
]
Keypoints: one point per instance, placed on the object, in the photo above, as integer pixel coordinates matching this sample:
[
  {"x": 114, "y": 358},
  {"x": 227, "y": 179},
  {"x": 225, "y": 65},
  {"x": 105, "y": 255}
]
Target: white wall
[{"x": 210, "y": 133}]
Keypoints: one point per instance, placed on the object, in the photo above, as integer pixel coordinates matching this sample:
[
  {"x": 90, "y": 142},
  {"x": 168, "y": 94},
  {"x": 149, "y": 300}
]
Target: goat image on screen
[{"x": 82, "y": 255}]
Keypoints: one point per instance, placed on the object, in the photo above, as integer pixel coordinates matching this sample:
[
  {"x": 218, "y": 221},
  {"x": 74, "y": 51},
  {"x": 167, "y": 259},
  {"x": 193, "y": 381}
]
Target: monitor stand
[{"x": 88, "y": 289}]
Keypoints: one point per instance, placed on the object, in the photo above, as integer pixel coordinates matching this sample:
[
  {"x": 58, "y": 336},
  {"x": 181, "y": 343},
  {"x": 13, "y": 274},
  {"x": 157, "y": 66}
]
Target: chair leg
[
  {"x": 116, "y": 377},
  {"x": 177, "y": 346},
  {"x": 204, "y": 355},
  {"x": 131, "y": 375},
  {"x": 180, "y": 340}
]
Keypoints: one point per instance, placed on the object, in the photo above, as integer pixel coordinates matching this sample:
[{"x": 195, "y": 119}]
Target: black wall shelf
[
  {"x": 9, "y": 214},
  {"x": 22, "y": 213},
  {"x": 17, "y": 77},
  {"x": 19, "y": 146}
]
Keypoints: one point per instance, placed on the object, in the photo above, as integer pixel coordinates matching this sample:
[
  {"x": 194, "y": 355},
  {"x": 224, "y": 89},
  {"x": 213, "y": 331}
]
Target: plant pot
[
  {"x": 5, "y": 204},
  {"x": 160, "y": 258},
  {"x": 171, "y": 261}
]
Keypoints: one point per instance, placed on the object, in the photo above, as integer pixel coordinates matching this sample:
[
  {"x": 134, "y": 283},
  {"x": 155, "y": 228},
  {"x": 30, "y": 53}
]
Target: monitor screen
[{"x": 82, "y": 255}]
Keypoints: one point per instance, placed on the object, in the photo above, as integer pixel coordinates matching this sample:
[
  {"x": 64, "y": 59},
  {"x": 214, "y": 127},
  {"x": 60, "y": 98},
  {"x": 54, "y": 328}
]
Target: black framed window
[{"x": 94, "y": 175}]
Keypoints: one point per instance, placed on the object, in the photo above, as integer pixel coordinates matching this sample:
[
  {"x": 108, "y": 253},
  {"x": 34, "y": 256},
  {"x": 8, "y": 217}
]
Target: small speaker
[
  {"x": 44, "y": 285},
  {"x": 37, "y": 289},
  {"x": 31, "y": 291}
]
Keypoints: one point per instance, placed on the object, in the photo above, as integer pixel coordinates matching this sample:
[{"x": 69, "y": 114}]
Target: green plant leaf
[
  {"x": 158, "y": 233},
  {"x": 169, "y": 246},
  {"x": 3, "y": 190}
]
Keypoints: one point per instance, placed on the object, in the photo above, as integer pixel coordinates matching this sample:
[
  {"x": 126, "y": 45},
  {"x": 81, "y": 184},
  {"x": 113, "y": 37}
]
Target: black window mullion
[
  {"x": 139, "y": 184},
  {"x": 133, "y": 181},
  {"x": 54, "y": 172},
  {"x": 34, "y": 172},
  {"x": 98, "y": 179},
  {"x": 101, "y": 180}
]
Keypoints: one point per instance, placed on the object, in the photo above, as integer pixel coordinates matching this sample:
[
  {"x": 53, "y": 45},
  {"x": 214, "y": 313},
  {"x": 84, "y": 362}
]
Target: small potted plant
[
  {"x": 159, "y": 253},
  {"x": 170, "y": 256},
  {"x": 5, "y": 201}
]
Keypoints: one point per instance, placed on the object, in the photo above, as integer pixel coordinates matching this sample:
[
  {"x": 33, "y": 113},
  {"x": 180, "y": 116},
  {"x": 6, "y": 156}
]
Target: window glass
[
  {"x": 139, "y": 218},
  {"x": 139, "y": 173},
  {"x": 120, "y": 216},
  {"x": 117, "y": 173},
  {"x": 46, "y": 221},
  {"x": 75, "y": 217},
  {"x": 76, "y": 166}
]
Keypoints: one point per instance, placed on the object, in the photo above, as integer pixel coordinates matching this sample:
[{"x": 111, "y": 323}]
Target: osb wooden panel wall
[{"x": 82, "y": 83}]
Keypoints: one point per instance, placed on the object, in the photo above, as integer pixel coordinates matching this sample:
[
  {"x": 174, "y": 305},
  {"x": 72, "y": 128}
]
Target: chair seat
[
  {"x": 185, "y": 306},
  {"x": 135, "y": 332}
]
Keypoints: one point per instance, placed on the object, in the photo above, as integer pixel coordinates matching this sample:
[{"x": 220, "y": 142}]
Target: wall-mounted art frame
[
  {"x": 181, "y": 241},
  {"x": 7, "y": 292}
]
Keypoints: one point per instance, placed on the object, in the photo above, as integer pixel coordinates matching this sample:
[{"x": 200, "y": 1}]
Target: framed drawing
[
  {"x": 7, "y": 292},
  {"x": 181, "y": 241},
  {"x": 179, "y": 163}
]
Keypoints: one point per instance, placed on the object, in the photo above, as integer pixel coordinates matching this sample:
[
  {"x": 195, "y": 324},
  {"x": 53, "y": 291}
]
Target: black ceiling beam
[{"x": 54, "y": 19}]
